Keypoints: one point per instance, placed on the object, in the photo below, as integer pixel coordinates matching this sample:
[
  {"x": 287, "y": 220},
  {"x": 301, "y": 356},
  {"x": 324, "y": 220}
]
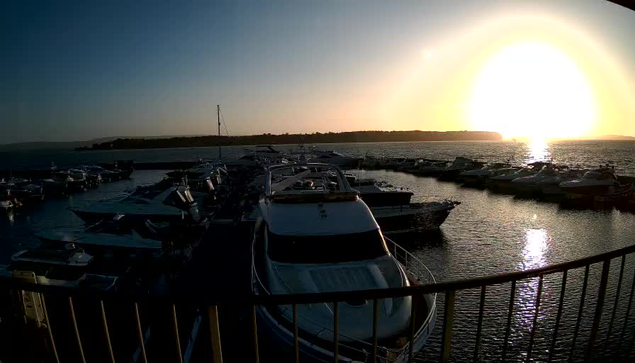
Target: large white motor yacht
[{"x": 315, "y": 235}]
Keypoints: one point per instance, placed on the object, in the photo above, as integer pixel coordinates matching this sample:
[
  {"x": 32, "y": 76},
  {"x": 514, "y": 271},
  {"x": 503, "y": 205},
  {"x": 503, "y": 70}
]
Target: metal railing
[{"x": 447, "y": 289}]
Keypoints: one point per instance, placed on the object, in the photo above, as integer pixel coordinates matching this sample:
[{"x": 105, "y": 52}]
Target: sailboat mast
[{"x": 219, "y": 148}]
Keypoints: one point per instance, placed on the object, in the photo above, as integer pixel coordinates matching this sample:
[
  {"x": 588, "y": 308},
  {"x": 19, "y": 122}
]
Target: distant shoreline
[{"x": 314, "y": 138}]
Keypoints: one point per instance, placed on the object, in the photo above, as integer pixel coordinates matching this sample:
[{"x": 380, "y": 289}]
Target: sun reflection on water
[
  {"x": 536, "y": 244},
  {"x": 538, "y": 150}
]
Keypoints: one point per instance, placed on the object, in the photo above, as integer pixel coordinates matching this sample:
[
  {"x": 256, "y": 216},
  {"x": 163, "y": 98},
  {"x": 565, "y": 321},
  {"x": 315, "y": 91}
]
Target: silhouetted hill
[
  {"x": 315, "y": 138},
  {"x": 52, "y": 145},
  {"x": 615, "y": 137},
  {"x": 70, "y": 145}
]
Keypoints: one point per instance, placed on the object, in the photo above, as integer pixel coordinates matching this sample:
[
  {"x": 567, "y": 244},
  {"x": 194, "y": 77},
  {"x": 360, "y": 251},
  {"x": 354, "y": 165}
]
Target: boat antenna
[{"x": 220, "y": 151}]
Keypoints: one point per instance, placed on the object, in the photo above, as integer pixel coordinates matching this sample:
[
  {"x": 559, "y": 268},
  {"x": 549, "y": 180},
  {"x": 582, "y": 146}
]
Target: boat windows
[{"x": 326, "y": 249}]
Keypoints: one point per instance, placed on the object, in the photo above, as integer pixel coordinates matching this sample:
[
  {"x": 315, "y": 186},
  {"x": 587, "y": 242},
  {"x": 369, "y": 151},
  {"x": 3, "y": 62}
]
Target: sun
[{"x": 533, "y": 90}]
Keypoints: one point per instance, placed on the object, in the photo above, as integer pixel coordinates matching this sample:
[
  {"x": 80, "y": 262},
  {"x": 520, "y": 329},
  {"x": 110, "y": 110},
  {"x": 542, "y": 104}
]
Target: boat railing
[
  {"x": 416, "y": 269},
  {"x": 602, "y": 328}
]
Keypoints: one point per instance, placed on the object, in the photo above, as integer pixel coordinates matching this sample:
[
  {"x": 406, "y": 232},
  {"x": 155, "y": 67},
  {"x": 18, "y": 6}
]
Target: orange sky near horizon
[{"x": 560, "y": 83}]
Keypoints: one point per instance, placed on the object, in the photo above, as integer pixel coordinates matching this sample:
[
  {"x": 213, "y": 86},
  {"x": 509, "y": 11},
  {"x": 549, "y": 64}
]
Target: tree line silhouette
[{"x": 314, "y": 138}]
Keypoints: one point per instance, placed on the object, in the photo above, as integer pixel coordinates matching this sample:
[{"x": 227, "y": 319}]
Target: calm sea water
[
  {"x": 581, "y": 153},
  {"x": 487, "y": 234}
]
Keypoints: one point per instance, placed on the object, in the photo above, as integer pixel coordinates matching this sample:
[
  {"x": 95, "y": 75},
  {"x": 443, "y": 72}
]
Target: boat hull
[
  {"x": 551, "y": 189},
  {"x": 412, "y": 218},
  {"x": 282, "y": 338},
  {"x": 386, "y": 198},
  {"x": 585, "y": 191},
  {"x": 526, "y": 188},
  {"x": 427, "y": 172},
  {"x": 449, "y": 175},
  {"x": 474, "y": 180}
]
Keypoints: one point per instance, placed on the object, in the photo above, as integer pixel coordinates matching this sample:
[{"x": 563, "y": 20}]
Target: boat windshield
[{"x": 326, "y": 249}]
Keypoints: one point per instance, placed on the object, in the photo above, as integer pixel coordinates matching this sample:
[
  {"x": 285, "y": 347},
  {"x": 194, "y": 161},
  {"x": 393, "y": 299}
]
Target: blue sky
[{"x": 74, "y": 70}]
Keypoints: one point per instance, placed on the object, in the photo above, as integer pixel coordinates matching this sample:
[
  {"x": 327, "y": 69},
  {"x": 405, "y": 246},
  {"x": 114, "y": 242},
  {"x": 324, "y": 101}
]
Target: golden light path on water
[
  {"x": 536, "y": 244},
  {"x": 538, "y": 150}
]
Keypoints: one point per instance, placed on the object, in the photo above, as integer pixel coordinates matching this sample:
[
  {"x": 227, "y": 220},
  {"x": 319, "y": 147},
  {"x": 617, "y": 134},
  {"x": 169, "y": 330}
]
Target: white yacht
[
  {"x": 157, "y": 203},
  {"x": 103, "y": 174},
  {"x": 530, "y": 183},
  {"x": 480, "y": 176},
  {"x": 504, "y": 180},
  {"x": 601, "y": 184},
  {"x": 268, "y": 151},
  {"x": 550, "y": 186},
  {"x": 459, "y": 165},
  {"x": 315, "y": 235},
  {"x": 335, "y": 158},
  {"x": 394, "y": 212}
]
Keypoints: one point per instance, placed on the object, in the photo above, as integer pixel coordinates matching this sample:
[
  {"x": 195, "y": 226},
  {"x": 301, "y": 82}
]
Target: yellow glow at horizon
[{"x": 532, "y": 89}]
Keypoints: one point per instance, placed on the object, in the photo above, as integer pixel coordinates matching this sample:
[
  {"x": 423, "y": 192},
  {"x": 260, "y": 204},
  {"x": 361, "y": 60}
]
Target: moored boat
[
  {"x": 480, "y": 176},
  {"x": 593, "y": 182},
  {"x": 531, "y": 184},
  {"x": 503, "y": 181},
  {"x": 459, "y": 165},
  {"x": 394, "y": 212},
  {"x": 316, "y": 236},
  {"x": 162, "y": 202}
]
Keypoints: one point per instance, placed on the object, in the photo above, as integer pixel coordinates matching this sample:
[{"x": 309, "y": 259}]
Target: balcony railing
[{"x": 615, "y": 323}]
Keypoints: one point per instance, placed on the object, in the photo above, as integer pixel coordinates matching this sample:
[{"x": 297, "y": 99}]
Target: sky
[{"x": 77, "y": 70}]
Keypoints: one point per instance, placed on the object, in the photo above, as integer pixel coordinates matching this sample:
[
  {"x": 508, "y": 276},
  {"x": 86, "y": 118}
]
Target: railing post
[
  {"x": 628, "y": 313},
  {"x": 142, "y": 345},
  {"x": 617, "y": 297},
  {"x": 479, "y": 325},
  {"x": 296, "y": 341},
  {"x": 448, "y": 321},
  {"x": 214, "y": 327},
  {"x": 106, "y": 332},
  {"x": 598, "y": 309},
  {"x": 48, "y": 327},
  {"x": 558, "y": 316},
  {"x": 336, "y": 330},
  {"x": 535, "y": 322},
  {"x": 254, "y": 327},
  {"x": 580, "y": 311},
  {"x": 413, "y": 327},
  {"x": 177, "y": 338},
  {"x": 375, "y": 322},
  {"x": 509, "y": 319},
  {"x": 77, "y": 336}
]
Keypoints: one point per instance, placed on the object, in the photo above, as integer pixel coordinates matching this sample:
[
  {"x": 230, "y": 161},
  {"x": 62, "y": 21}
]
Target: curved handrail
[
  {"x": 409, "y": 257},
  {"x": 195, "y": 297}
]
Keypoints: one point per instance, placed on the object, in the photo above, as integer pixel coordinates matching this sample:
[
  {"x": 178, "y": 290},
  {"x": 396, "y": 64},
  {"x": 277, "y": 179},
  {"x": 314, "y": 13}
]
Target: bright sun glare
[{"x": 533, "y": 90}]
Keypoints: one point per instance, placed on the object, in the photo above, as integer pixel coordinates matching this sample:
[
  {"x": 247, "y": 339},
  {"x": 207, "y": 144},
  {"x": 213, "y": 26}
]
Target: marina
[
  {"x": 539, "y": 236},
  {"x": 408, "y": 182}
]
